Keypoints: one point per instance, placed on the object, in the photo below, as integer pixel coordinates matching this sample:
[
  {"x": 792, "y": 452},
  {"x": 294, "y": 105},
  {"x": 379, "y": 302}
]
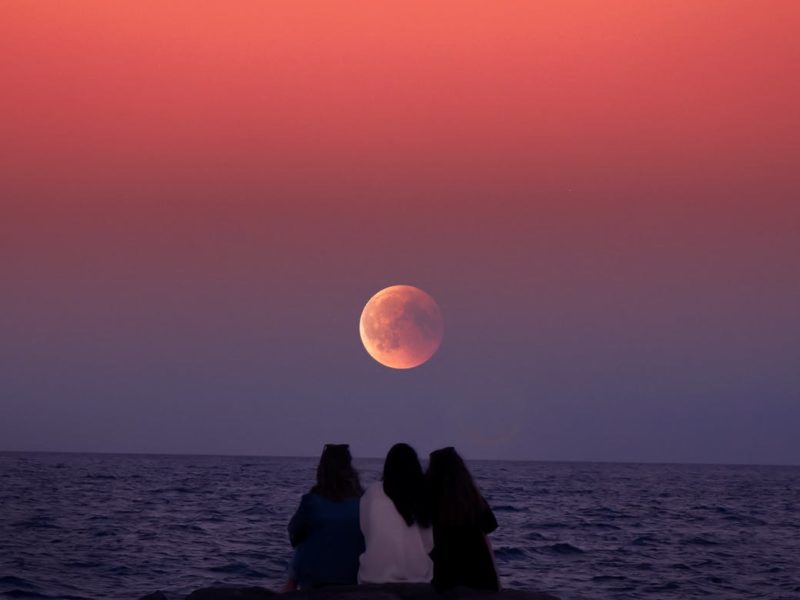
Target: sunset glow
[{"x": 197, "y": 198}]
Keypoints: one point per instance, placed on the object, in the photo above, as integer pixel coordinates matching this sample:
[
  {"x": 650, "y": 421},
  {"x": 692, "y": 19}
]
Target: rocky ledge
[{"x": 386, "y": 591}]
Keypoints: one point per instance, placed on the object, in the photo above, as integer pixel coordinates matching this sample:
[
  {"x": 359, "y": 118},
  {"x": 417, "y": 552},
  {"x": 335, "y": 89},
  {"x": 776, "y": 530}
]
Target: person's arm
[
  {"x": 427, "y": 539},
  {"x": 488, "y": 523},
  {"x": 299, "y": 523},
  {"x": 364, "y": 507}
]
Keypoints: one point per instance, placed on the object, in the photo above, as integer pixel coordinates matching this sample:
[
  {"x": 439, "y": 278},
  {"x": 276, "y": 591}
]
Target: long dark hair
[
  {"x": 336, "y": 478},
  {"x": 456, "y": 501},
  {"x": 404, "y": 483}
]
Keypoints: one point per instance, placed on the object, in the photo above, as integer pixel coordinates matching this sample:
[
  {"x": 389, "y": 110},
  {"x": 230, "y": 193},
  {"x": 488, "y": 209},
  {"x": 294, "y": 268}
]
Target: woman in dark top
[
  {"x": 461, "y": 553},
  {"x": 325, "y": 530}
]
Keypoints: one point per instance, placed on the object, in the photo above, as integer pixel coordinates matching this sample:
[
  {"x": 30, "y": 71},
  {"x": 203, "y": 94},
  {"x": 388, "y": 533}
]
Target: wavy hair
[
  {"x": 455, "y": 499},
  {"x": 337, "y": 480}
]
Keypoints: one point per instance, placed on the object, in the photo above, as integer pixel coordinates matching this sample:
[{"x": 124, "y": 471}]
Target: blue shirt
[{"x": 327, "y": 540}]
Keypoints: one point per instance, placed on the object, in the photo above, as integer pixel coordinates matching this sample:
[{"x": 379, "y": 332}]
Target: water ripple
[{"x": 77, "y": 527}]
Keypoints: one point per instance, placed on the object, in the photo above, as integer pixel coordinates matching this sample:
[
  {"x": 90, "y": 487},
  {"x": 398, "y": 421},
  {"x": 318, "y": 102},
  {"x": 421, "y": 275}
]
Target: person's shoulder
[
  {"x": 376, "y": 487},
  {"x": 310, "y": 498},
  {"x": 371, "y": 492}
]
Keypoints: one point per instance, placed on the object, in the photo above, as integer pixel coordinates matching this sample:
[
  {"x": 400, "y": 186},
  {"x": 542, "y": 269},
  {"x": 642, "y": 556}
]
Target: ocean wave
[
  {"x": 509, "y": 553},
  {"x": 644, "y": 540},
  {"x": 606, "y": 526},
  {"x": 700, "y": 541},
  {"x": 36, "y": 523},
  {"x": 259, "y": 509},
  {"x": 83, "y": 564},
  {"x": 564, "y": 548},
  {"x": 582, "y": 531},
  {"x": 237, "y": 568},
  {"x": 604, "y": 578},
  {"x": 18, "y": 593},
  {"x": 509, "y": 508},
  {"x": 664, "y": 587},
  {"x": 10, "y": 580},
  {"x": 546, "y": 525}
]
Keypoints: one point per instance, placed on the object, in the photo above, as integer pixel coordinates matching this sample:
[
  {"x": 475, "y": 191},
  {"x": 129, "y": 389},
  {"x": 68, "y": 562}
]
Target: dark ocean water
[{"x": 120, "y": 526}]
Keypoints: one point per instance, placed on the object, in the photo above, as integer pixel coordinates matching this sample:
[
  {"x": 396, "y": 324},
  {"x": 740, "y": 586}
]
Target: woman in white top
[{"x": 395, "y": 519}]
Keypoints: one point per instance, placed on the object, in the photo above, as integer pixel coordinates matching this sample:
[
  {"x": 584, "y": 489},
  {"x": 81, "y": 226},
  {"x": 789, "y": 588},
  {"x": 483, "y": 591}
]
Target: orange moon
[{"x": 401, "y": 327}]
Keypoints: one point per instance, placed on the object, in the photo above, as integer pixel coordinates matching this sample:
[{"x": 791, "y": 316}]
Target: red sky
[
  {"x": 568, "y": 174},
  {"x": 260, "y": 87}
]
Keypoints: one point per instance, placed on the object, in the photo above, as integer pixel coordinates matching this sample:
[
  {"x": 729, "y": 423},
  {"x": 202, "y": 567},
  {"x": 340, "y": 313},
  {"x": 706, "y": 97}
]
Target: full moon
[{"x": 401, "y": 327}]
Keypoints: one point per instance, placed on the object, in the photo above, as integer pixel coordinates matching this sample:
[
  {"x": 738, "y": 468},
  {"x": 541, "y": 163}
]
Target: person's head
[
  {"x": 336, "y": 478},
  {"x": 404, "y": 484},
  {"x": 455, "y": 498}
]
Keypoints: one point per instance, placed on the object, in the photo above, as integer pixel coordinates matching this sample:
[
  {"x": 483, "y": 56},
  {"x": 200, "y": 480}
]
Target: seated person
[
  {"x": 462, "y": 555},
  {"x": 325, "y": 529},
  {"x": 396, "y": 522}
]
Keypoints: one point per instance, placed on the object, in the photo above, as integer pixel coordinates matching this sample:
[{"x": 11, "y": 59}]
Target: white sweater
[{"x": 394, "y": 551}]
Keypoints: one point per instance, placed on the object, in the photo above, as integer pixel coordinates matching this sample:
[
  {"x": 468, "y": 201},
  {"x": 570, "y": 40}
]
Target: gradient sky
[{"x": 197, "y": 199}]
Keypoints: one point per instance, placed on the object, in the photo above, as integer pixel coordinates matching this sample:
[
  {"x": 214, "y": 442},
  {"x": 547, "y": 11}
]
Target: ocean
[{"x": 91, "y": 526}]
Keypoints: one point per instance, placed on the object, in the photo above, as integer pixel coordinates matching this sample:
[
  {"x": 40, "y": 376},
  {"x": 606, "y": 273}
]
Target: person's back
[
  {"x": 462, "y": 556},
  {"x": 462, "y": 519},
  {"x": 328, "y": 540},
  {"x": 325, "y": 530},
  {"x": 395, "y": 521},
  {"x": 394, "y": 551}
]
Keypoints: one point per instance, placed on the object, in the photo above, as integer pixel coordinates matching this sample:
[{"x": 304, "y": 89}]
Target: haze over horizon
[
  {"x": 196, "y": 203},
  {"x": 423, "y": 454}
]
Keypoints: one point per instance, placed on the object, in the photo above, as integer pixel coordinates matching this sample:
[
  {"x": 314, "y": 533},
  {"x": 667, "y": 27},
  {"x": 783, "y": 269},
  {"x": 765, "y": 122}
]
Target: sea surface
[{"x": 79, "y": 526}]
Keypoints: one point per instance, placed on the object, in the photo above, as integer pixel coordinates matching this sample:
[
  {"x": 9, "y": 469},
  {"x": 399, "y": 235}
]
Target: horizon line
[{"x": 356, "y": 457}]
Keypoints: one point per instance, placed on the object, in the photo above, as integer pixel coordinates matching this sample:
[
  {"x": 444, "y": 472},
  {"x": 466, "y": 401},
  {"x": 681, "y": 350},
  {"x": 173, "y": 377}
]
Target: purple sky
[{"x": 604, "y": 203}]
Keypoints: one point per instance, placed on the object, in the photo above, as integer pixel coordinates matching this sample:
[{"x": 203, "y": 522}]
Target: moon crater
[{"x": 401, "y": 327}]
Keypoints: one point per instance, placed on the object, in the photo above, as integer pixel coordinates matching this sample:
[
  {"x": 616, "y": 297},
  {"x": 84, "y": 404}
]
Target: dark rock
[
  {"x": 386, "y": 591},
  {"x": 154, "y": 596},
  {"x": 231, "y": 593}
]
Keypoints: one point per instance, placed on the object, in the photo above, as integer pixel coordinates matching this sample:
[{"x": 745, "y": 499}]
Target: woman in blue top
[{"x": 325, "y": 530}]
